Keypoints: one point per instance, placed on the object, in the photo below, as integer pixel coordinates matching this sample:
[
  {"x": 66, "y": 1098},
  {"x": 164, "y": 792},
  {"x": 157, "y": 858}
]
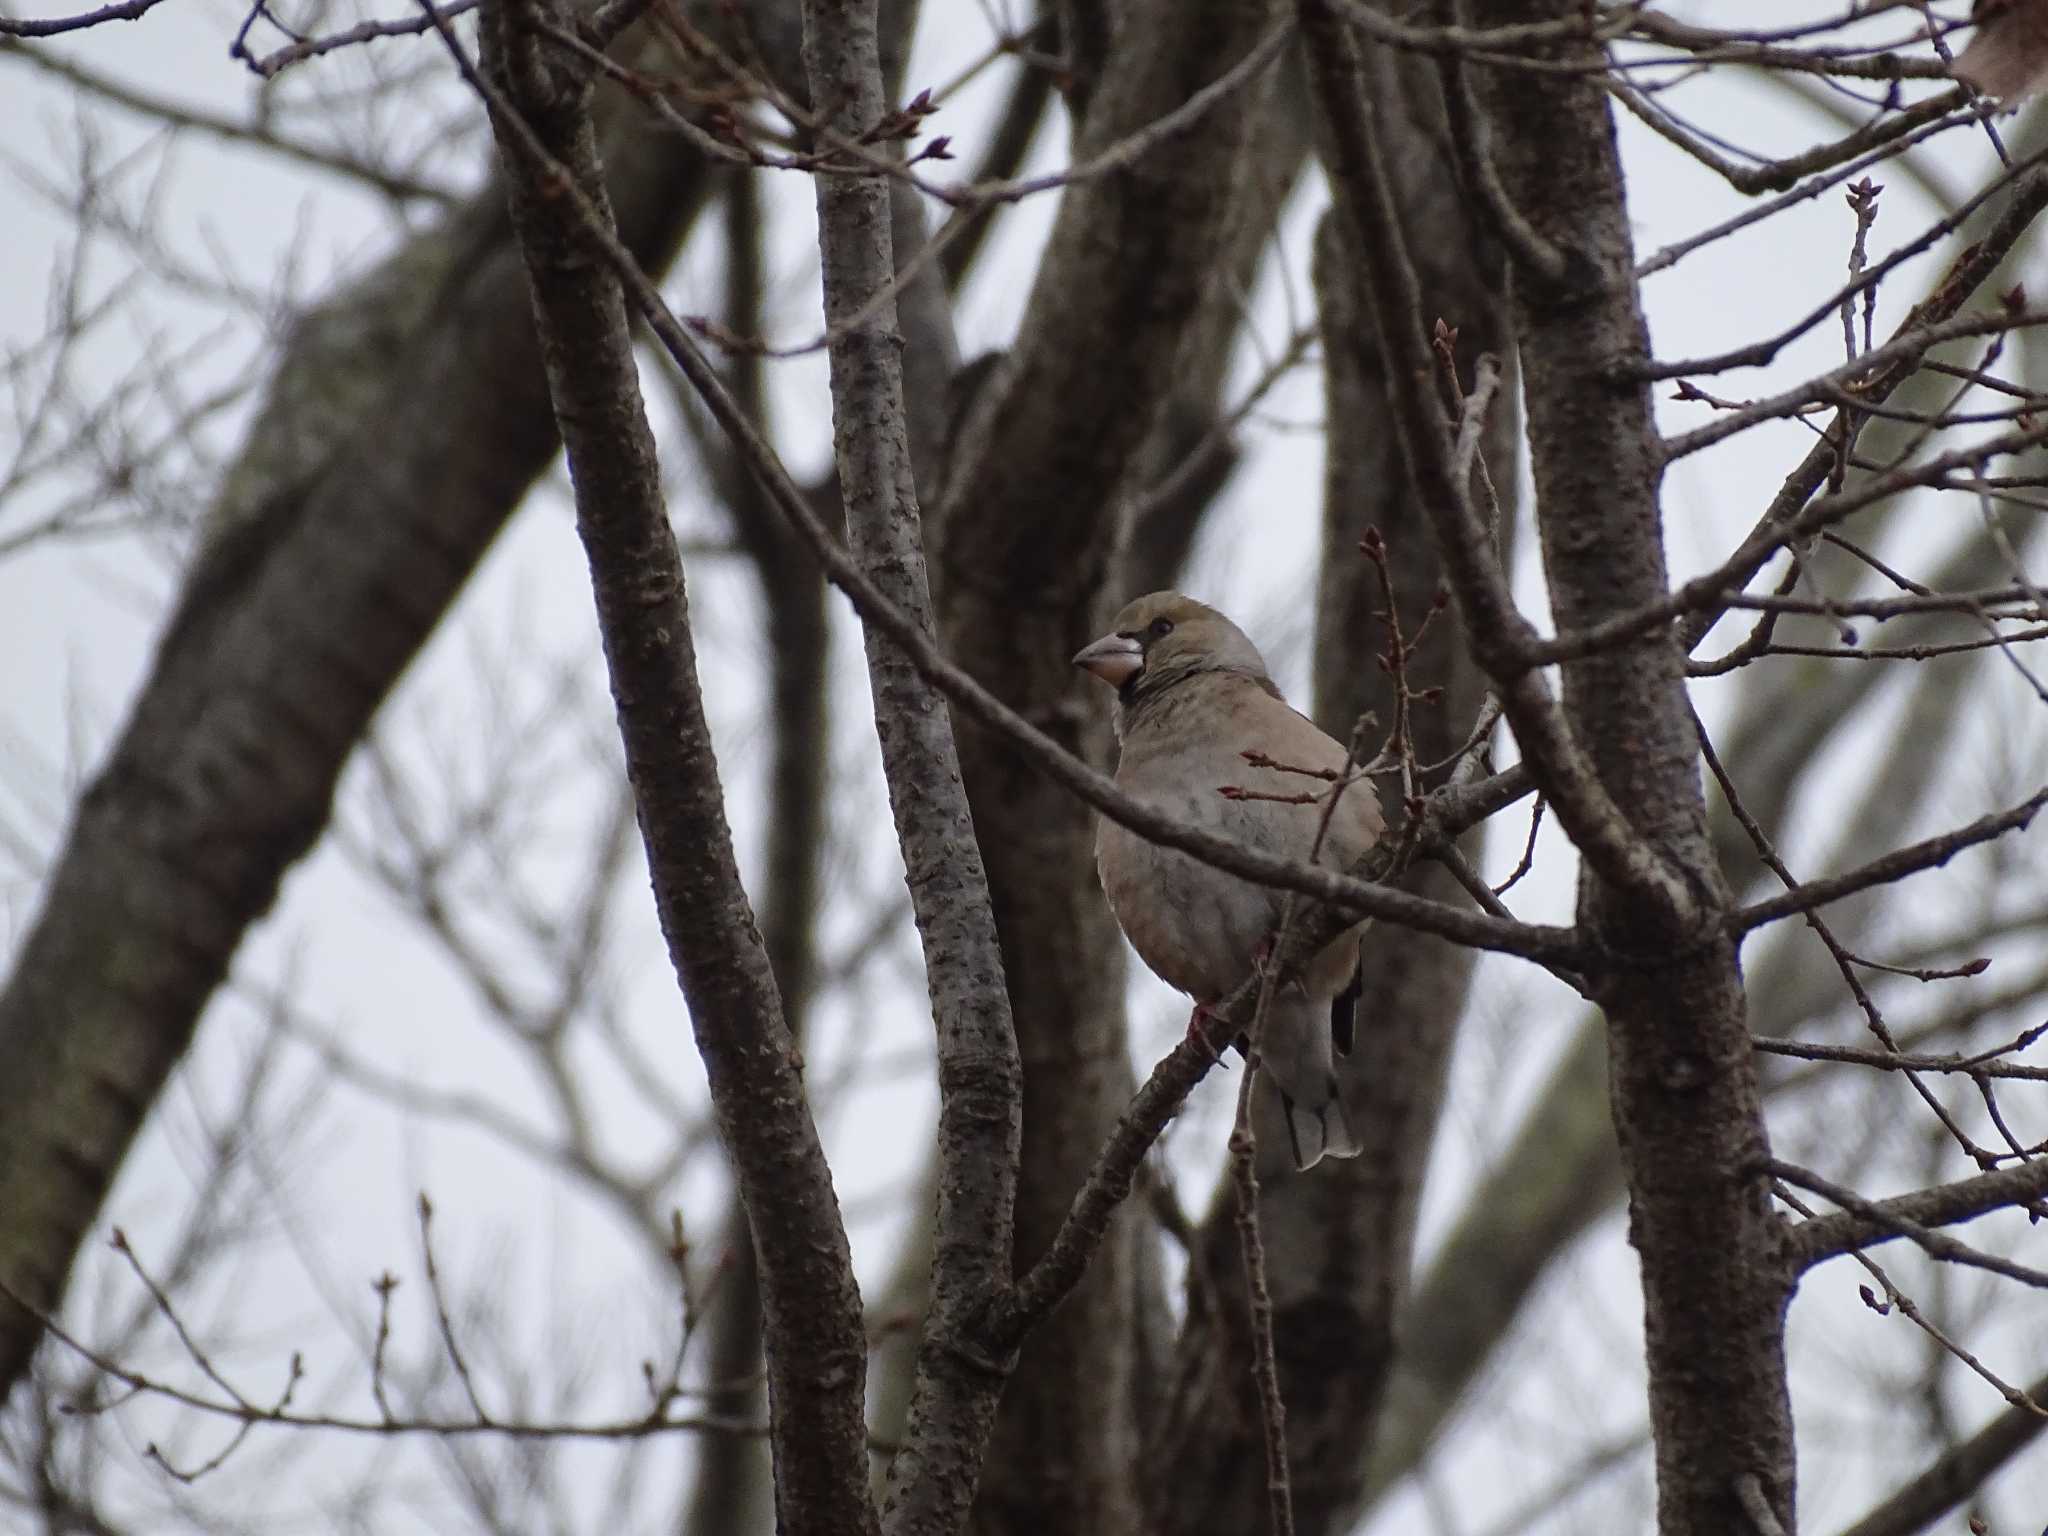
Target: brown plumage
[
  {"x": 2008, "y": 56},
  {"x": 1193, "y": 696}
]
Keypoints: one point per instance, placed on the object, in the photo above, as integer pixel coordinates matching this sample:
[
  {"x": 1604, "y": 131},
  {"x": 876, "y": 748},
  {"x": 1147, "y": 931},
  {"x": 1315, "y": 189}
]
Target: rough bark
[
  {"x": 1027, "y": 535},
  {"x": 1615, "y": 752},
  {"x": 1687, "y": 1109},
  {"x": 349, "y": 524},
  {"x": 811, "y": 1309},
  {"x": 953, "y": 1405}
]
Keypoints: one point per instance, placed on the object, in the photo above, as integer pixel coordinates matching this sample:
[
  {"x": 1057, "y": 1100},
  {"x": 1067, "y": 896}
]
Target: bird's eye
[{"x": 1159, "y": 629}]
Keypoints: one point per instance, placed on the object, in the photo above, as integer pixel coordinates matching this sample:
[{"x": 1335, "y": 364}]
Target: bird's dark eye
[{"x": 1159, "y": 629}]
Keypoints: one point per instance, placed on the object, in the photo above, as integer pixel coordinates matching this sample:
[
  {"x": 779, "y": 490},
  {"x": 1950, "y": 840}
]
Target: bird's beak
[{"x": 1116, "y": 659}]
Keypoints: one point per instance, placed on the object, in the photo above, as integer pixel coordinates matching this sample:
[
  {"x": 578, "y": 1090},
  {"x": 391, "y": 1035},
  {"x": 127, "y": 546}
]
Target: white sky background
[{"x": 331, "y": 1202}]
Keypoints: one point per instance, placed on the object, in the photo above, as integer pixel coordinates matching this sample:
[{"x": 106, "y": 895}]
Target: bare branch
[
  {"x": 810, "y": 1302},
  {"x": 270, "y": 65},
  {"x": 952, "y": 1409},
  {"x": 1957, "y": 1474},
  {"x": 1864, "y": 1223},
  {"x": 1930, "y": 853},
  {"x": 54, "y": 26}
]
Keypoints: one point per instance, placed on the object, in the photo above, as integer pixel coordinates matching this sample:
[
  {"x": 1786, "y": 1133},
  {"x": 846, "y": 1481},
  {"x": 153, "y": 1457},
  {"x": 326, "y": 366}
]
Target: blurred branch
[
  {"x": 1956, "y": 1475},
  {"x": 1466, "y": 1301},
  {"x": 1979, "y": 1063},
  {"x": 1780, "y": 175},
  {"x": 1929, "y": 853},
  {"x": 269, "y": 65},
  {"x": 1016, "y": 126},
  {"x": 54, "y": 26},
  {"x": 344, "y": 487},
  {"x": 1046, "y": 442},
  {"x": 259, "y": 135},
  {"x": 251, "y": 1413}
]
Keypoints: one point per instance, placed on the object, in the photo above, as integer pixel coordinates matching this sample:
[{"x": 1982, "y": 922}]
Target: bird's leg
[
  {"x": 1198, "y": 1028},
  {"x": 1198, "y": 1031}
]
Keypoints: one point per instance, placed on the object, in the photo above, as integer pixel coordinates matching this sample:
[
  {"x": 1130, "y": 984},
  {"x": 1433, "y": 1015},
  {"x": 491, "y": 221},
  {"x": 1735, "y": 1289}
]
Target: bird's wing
[{"x": 1289, "y": 737}]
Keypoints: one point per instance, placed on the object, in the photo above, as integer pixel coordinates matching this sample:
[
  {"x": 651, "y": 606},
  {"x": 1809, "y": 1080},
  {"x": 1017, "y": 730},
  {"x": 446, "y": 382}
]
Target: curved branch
[{"x": 1865, "y": 1223}]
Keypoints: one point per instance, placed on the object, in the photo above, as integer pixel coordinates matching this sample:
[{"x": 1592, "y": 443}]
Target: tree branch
[
  {"x": 817, "y": 1348},
  {"x": 1930, "y": 853},
  {"x": 952, "y": 1409},
  {"x": 1865, "y": 1223},
  {"x": 1958, "y": 1474}
]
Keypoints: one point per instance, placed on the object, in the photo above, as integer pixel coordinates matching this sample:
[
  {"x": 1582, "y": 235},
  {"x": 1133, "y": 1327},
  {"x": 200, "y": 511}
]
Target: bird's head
[{"x": 1164, "y": 637}]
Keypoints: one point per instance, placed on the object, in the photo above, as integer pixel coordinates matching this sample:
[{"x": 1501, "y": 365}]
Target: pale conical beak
[{"x": 1116, "y": 659}]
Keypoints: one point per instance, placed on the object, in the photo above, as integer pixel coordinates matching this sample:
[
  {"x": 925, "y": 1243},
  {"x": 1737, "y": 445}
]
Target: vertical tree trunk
[{"x": 1686, "y": 1104}]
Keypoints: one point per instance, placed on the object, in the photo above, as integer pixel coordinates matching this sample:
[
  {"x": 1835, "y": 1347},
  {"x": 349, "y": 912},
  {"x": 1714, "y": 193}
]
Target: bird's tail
[
  {"x": 1314, "y": 1134},
  {"x": 1294, "y": 1047}
]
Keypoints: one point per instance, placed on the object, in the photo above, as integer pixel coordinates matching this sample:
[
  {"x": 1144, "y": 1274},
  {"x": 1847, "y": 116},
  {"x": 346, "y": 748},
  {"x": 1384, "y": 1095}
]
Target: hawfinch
[
  {"x": 2008, "y": 56},
  {"x": 1192, "y": 697}
]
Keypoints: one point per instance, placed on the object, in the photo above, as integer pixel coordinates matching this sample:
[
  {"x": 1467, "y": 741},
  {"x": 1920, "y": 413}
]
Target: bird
[
  {"x": 1193, "y": 696},
  {"x": 2008, "y": 57}
]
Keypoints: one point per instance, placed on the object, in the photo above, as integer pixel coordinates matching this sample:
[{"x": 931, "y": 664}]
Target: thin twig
[
  {"x": 1244, "y": 1178},
  {"x": 441, "y": 1317},
  {"x": 54, "y": 26}
]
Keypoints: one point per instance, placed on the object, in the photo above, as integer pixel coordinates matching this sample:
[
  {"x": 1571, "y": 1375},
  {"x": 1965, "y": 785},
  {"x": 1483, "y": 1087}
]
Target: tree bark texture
[
  {"x": 811, "y": 1308},
  {"x": 1029, "y": 529},
  {"x": 1687, "y": 1108},
  {"x": 953, "y": 1404}
]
